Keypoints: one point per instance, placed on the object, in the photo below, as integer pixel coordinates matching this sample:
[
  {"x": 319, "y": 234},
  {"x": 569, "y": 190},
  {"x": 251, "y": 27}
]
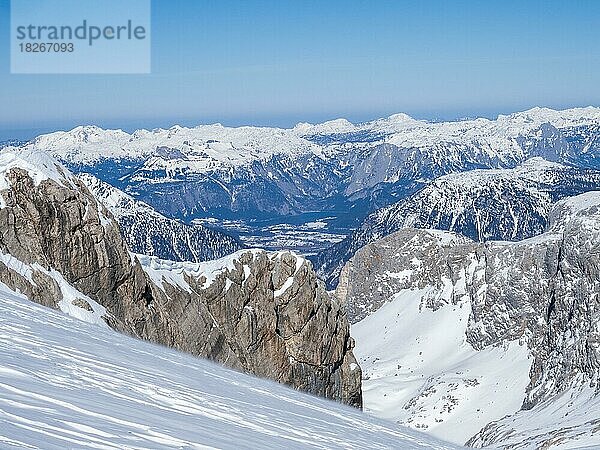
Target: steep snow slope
[
  {"x": 421, "y": 372},
  {"x": 566, "y": 421},
  {"x": 149, "y": 232},
  {"x": 69, "y": 384}
]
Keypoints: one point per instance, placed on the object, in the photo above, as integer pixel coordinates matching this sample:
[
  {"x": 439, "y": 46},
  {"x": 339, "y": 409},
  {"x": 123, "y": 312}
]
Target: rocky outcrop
[
  {"x": 407, "y": 259},
  {"x": 266, "y": 313},
  {"x": 262, "y": 313},
  {"x": 542, "y": 292}
]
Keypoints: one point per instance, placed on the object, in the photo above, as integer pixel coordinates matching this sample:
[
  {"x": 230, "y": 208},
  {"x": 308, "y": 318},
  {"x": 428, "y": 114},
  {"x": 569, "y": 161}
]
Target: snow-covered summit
[
  {"x": 394, "y": 123},
  {"x": 495, "y": 133},
  {"x": 229, "y": 146},
  {"x": 39, "y": 165},
  {"x": 81, "y": 142},
  {"x": 400, "y": 127},
  {"x": 558, "y": 118},
  {"x": 329, "y": 127}
]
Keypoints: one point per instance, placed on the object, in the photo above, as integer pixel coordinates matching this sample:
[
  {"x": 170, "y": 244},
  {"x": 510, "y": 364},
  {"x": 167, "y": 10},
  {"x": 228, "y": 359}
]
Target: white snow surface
[
  {"x": 204, "y": 145},
  {"x": 17, "y": 265},
  {"x": 420, "y": 371},
  {"x": 582, "y": 202},
  {"x": 70, "y": 295},
  {"x": 205, "y": 148},
  {"x": 65, "y": 383},
  {"x": 39, "y": 165},
  {"x": 584, "y": 208},
  {"x": 567, "y": 421}
]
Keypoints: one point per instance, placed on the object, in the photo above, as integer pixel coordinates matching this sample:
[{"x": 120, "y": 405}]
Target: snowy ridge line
[
  {"x": 398, "y": 123},
  {"x": 212, "y": 171},
  {"x": 161, "y": 271},
  {"x": 148, "y": 232},
  {"x": 204, "y": 147},
  {"x": 38, "y": 164}
]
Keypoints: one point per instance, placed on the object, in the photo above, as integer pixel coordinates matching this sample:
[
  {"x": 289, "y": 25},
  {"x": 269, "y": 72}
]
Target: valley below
[{"x": 307, "y": 233}]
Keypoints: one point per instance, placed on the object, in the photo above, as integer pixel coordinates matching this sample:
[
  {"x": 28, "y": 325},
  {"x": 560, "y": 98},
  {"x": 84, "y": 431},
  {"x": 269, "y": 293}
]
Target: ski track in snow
[{"x": 65, "y": 383}]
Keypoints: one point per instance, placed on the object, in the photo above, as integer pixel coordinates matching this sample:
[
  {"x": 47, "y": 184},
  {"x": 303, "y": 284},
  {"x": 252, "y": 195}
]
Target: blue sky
[{"x": 280, "y": 62}]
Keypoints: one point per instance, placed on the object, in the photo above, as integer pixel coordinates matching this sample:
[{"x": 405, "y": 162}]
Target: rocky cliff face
[
  {"x": 262, "y": 313},
  {"x": 541, "y": 292}
]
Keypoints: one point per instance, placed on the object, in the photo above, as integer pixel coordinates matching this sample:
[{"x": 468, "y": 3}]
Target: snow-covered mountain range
[
  {"x": 492, "y": 343},
  {"x": 252, "y": 172},
  {"x": 482, "y": 204}
]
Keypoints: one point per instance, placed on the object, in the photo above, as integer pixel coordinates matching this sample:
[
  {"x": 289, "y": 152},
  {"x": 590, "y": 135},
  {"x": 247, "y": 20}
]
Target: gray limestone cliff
[
  {"x": 543, "y": 292},
  {"x": 265, "y": 314}
]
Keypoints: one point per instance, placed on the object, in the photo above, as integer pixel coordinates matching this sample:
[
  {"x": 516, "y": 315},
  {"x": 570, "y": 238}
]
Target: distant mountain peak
[
  {"x": 330, "y": 127},
  {"x": 559, "y": 118}
]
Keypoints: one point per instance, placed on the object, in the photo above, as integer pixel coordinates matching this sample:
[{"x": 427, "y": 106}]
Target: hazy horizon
[
  {"x": 130, "y": 126},
  {"x": 275, "y": 63}
]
